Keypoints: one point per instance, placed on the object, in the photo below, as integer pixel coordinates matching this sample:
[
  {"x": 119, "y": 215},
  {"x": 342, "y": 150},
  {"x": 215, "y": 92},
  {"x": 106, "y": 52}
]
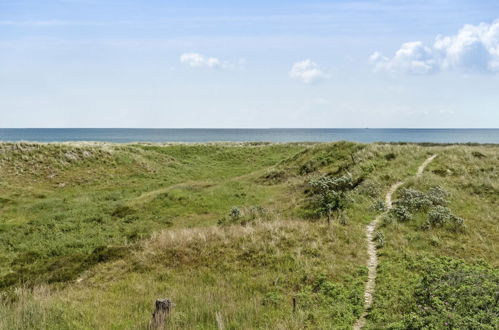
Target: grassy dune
[{"x": 92, "y": 234}]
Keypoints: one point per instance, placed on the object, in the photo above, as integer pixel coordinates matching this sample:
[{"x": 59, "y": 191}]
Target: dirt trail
[
  {"x": 423, "y": 166},
  {"x": 372, "y": 262}
]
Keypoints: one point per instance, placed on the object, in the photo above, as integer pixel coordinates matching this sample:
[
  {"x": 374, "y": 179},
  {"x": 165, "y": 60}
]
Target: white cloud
[
  {"x": 308, "y": 72},
  {"x": 196, "y": 60},
  {"x": 412, "y": 58},
  {"x": 475, "y": 48}
]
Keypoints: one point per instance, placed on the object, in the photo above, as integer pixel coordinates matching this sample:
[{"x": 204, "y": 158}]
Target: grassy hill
[{"x": 91, "y": 234}]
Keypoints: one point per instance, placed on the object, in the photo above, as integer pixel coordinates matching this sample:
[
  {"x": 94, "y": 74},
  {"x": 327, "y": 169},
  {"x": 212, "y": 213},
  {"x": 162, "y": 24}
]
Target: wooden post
[
  {"x": 294, "y": 304},
  {"x": 220, "y": 321},
  {"x": 162, "y": 310}
]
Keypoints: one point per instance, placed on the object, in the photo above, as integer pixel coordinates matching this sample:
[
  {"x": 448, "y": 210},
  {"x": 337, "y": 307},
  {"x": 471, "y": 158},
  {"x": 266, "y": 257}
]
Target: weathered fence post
[
  {"x": 162, "y": 310},
  {"x": 220, "y": 321}
]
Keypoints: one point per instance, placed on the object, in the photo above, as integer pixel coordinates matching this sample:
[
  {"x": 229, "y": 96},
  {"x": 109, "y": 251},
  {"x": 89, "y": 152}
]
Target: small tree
[
  {"x": 332, "y": 193},
  {"x": 235, "y": 213}
]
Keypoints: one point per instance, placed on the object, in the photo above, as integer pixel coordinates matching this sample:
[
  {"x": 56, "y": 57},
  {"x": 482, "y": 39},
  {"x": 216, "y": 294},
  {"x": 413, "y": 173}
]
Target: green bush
[
  {"x": 320, "y": 294},
  {"x": 235, "y": 213},
  {"x": 438, "y": 196},
  {"x": 401, "y": 213},
  {"x": 379, "y": 239},
  {"x": 307, "y": 168},
  {"x": 438, "y": 216},
  {"x": 433, "y": 204},
  {"x": 343, "y": 218},
  {"x": 274, "y": 176},
  {"x": 245, "y": 216},
  {"x": 457, "y": 222},
  {"x": 122, "y": 211},
  {"x": 369, "y": 188},
  {"x": 390, "y": 156},
  {"x": 454, "y": 295},
  {"x": 414, "y": 200},
  {"x": 331, "y": 193},
  {"x": 379, "y": 206},
  {"x": 478, "y": 154}
]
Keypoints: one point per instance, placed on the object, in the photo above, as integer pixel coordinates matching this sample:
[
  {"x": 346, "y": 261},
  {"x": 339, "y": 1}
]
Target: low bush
[
  {"x": 438, "y": 196},
  {"x": 369, "y": 188},
  {"x": 454, "y": 295},
  {"x": 343, "y": 218},
  {"x": 438, "y": 216},
  {"x": 401, "y": 213},
  {"x": 122, "y": 211},
  {"x": 379, "y": 239},
  {"x": 379, "y": 206},
  {"x": 433, "y": 204},
  {"x": 273, "y": 176},
  {"x": 320, "y": 295},
  {"x": 390, "y": 156},
  {"x": 245, "y": 216},
  {"x": 478, "y": 154},
  {"x": 414, "y": 200},
  {"x": 331, "y": 193}
]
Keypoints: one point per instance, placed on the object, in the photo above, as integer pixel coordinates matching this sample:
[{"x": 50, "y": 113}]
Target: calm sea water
[{"x": 123, "y": 135}]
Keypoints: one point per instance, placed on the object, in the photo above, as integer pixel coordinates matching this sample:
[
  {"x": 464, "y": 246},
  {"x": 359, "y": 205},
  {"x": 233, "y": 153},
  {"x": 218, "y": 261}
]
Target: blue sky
[{"x": 385, "y": 63}]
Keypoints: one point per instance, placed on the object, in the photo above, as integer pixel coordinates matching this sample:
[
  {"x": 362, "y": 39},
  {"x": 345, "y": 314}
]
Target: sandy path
[
  {"x": 423, "y": 166},
  {"x": 372, "y": 261}
]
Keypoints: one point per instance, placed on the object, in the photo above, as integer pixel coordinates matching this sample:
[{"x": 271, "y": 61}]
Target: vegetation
[
  {"x": 432, "y": 203},
  {"x": 331, "y": 193},
  {"x": 92, "y": 234},
  {"x": 454, "y": 295}
]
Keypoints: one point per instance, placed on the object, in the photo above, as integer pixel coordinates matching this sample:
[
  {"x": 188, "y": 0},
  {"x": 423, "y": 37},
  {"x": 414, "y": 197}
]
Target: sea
[{"x": 129, "y": 135}]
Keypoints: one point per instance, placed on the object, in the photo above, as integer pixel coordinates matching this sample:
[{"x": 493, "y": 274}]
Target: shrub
[
  {"x": 434, "y": 201},
  {"x": 386, "y": 220},
  {"x": 343, "y": 218},
  {"x": 307, "y": 168},
  {"x": 274, "y": 176},
  {"x": 478, "y": 154},
  {"x": 245, "y": 216},
  {"x": 331, "y": 193},
  {"x": 122, "y": 211},
  {"x": 414, "y": 200},
  {"x": 390, "y": 156},
  {"x": 379, "y": 206},
  {"x": 320, "y": 294},
  {"x": 457, "y": 222},
  {"x": 454, "y": 295},
  {"x": 272, "y": 299},
  {"x": 401, "y": 213},
  {"x": 235, "y": 213},
  {"x": 379, "y": 239},
  {"x": 437, "y": 196},
  {"x": 438, "y": 216},
  {"x": 369, "y": 188}
]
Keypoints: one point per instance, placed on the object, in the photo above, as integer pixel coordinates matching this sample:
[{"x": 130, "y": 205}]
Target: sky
[{"x": 249, "y": 64}]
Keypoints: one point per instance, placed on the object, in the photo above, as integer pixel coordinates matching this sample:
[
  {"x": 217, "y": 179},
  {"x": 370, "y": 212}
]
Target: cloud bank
[
  {"x": 475, "y": 48},
  {"x": 308, "y": 72}
]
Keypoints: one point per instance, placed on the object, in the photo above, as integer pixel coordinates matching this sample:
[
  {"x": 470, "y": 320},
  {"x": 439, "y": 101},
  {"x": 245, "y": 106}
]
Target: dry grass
[{"x": 237, "y": 274}]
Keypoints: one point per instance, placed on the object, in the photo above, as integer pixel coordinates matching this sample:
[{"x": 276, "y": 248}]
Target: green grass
[
  {"x": 55, "y": 217},
  {"x": 92, "y": 234}
]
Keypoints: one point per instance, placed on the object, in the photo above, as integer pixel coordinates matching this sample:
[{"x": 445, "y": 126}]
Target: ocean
[{"x": 127, "y": 135}]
